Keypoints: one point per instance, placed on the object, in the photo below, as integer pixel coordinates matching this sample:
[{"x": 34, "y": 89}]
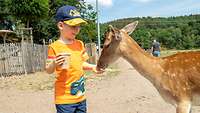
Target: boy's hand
[
  {"x": 97, "y": 70},
  {"x": 92, "y": 67},
  {"x": 59, "y": 60}
]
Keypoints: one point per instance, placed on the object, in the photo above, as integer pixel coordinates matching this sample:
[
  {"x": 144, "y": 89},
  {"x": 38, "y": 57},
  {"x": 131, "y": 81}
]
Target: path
[{"x": 128, "y": 92}]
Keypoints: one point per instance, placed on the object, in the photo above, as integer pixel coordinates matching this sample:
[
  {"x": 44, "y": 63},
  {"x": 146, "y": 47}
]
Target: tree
[
  {"x": 54, "y": 4},
  {"x": 88, "y": 32},
  {"x": 29, "y": 10},
  {"x": 143, "y": 37},
  {"x": 46, "y": 28},
  {"x": 180, "y": 32},
  {"x": 3, "y": 8}
]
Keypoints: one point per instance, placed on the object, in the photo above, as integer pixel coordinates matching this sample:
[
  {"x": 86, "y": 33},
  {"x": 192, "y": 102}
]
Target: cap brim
[{"x": 75, "y": 22}]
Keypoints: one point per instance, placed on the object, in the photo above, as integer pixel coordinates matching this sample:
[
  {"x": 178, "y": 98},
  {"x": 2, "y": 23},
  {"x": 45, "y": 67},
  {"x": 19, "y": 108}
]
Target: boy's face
[{"x": 68, "y": 32}]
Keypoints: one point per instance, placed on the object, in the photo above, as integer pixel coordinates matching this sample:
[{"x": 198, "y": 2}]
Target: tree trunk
[{"x": 27, "y": 24}]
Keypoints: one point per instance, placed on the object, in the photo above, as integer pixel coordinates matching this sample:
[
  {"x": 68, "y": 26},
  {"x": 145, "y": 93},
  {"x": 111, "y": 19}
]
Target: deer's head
[{"x": 111, "y": 48}]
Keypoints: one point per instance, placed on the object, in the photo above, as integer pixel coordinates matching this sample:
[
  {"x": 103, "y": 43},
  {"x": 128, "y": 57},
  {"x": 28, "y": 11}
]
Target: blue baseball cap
[{"x": 69, "y": 15}]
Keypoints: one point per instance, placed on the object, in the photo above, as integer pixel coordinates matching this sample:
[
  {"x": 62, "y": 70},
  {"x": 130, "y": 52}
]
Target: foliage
[
  {"x": 88, "y": 32},
  {"x": 39, "y": 14},
  {"x": 3, "y": 8},
  {"x": 28, "y": 10},
  {"x": 180, "y": 32},
  {"x": 47, "y": 29}
]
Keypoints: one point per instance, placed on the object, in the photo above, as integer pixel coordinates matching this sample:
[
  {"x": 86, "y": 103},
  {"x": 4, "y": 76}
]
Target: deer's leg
[{"x": 184, "y": 107}]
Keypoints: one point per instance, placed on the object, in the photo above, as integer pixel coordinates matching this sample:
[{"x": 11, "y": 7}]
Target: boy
[{"x": 67, "y": 57}]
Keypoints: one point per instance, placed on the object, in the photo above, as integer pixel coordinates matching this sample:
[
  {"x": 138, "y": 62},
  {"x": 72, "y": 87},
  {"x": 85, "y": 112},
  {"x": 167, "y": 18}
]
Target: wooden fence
[
  {"x": 21, "y": 58},
  {"x": 24, "y": 58}
]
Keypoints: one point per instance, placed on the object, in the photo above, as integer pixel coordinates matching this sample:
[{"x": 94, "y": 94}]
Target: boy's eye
[{"x": 75, "y": 27}]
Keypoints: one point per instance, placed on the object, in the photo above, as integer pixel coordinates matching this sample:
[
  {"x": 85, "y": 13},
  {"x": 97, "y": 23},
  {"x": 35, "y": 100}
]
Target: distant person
[{"x": 155, "y": 48}]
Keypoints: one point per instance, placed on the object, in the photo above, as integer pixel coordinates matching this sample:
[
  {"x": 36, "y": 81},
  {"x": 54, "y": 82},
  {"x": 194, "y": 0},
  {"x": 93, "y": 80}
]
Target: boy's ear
[
  {"x": 60, "y": 25},
  {"x": 130, "y": 27}
]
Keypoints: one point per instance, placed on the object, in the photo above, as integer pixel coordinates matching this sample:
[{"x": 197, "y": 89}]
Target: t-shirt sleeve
[{"x": 51, "y": 55}]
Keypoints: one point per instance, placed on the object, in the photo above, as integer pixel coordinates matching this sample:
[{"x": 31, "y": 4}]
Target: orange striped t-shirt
[{"x": 66, "y": 77}]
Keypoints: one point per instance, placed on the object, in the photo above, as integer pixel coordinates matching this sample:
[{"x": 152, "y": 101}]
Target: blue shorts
[
  {"x": 72, "y": 108},
  {"x": 156, "y": 53}
]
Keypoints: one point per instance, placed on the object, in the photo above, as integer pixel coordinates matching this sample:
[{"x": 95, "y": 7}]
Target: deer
[{"x": 176, "y": 77}]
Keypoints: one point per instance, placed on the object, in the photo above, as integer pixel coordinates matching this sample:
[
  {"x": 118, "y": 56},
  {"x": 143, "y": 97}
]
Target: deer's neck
[{"x": 143, "y": 62}]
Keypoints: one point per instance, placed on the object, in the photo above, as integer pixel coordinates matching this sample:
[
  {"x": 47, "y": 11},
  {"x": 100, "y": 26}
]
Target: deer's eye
[{"x": 107, "y": 45}]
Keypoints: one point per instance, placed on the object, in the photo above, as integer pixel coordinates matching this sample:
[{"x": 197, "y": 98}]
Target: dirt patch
[
  {"x": 119, "y": 90},
  {"x": 33, "y": 82}
]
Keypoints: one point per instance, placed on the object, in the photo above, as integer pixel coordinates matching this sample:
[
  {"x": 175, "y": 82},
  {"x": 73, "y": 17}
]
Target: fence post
[
  {"x": 23, "y": 57},
  {"x": 92, "y": 52},
  {"x": 5, "y": 60},
  {"x": 50, "y": 41},
  {"x": 44, "y": 54}
]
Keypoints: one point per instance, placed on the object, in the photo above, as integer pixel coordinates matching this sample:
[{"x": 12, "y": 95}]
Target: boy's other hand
[{"x": 59, "y": 60}]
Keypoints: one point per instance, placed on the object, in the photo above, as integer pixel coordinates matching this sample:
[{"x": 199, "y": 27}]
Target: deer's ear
[
  {"x": 111, "y": 28},
  {"x": 118, "y": 35},
  {"x": 115, "y": 32},
  {"x": 130, "y": 27}
]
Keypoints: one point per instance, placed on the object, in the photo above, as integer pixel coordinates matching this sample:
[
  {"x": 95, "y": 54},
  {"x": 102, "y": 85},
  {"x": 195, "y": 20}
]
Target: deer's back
[{"x": 184, "y": 67}]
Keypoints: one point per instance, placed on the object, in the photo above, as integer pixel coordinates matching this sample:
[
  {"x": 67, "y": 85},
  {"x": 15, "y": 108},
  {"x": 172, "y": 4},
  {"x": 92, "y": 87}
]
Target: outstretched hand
[{"x": 98, "y": 70}]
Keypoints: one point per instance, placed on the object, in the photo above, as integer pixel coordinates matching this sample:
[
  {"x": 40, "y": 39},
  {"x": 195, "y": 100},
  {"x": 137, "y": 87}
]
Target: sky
[{"x": 116, "y": 9}]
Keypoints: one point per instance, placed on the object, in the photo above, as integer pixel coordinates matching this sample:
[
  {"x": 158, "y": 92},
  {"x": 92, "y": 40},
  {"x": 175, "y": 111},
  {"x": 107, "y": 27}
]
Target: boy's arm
[
  {"x": 50, "y": 61},
  {"x": 87, "y": 66}
]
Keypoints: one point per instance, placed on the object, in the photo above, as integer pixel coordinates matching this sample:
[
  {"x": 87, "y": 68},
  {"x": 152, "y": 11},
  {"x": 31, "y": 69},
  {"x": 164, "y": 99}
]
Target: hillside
[{"x": 182, "y": 32}]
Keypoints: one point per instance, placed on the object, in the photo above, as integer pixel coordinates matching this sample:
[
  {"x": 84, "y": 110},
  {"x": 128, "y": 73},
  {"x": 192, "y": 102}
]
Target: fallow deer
[{"x": 176, "y": 77}]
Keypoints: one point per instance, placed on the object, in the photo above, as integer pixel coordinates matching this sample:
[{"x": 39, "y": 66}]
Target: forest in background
[
  {"x": 39, "y": 15},
  {"x": 181, "y": 32}
]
